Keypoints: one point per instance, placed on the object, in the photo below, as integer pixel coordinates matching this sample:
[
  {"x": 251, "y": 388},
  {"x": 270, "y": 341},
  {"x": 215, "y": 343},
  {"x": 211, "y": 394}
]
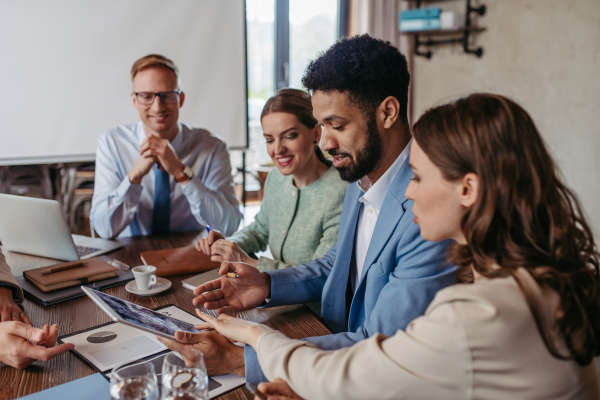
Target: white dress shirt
[
  {"x": 369, "y": 211},
  {"x": 120, "y": 208}
]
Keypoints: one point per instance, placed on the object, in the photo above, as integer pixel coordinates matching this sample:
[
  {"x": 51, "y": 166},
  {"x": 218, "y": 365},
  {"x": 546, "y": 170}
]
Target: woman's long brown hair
[{"x": 524, "y": 216}]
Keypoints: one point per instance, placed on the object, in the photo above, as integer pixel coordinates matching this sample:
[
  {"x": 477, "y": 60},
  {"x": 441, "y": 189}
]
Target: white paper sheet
[{"x": 109, "y": 346}]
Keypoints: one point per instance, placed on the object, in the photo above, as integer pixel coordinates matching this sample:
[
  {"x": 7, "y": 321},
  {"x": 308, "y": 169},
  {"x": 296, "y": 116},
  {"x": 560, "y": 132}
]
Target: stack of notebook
[
  {"x": 75, "y": 273},
  {"x": 56, "y": 285}
]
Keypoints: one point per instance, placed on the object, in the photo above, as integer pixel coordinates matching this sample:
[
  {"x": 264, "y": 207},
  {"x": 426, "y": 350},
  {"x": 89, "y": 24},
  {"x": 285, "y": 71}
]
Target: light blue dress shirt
[{"x": 120, "y": 208}]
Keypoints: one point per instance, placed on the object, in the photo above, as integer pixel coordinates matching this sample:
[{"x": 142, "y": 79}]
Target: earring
[{"x": 315, "y": 142}]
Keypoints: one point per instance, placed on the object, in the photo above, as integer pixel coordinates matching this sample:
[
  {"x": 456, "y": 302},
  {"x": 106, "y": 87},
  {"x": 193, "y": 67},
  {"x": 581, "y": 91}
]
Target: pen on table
[
  {"x": 256, "y": 392},
  {"x": 63, "y": 268}
]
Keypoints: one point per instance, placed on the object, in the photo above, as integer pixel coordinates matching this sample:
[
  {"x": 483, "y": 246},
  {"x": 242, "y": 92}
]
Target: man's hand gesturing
[{"x": 235, "y": 294}]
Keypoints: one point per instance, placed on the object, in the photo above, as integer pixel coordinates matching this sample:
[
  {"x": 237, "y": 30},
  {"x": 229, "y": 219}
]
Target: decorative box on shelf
[{"x": 433, "y": 23}]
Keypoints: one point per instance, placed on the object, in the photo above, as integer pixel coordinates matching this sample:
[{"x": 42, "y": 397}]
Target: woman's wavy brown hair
[{"x": 524, "y": 215}]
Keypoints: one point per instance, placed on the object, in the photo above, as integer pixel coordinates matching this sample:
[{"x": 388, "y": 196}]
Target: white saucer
[{"x": 160, "y": 286}]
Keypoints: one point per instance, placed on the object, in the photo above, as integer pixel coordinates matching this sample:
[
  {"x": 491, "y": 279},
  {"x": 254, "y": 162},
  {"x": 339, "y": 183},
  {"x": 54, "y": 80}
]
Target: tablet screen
[{"x": 144, "y": 317}]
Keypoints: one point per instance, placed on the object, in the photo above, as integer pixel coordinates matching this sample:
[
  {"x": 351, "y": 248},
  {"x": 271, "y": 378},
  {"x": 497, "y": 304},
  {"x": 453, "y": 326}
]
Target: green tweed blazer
[{"x": 299, "y": 225}]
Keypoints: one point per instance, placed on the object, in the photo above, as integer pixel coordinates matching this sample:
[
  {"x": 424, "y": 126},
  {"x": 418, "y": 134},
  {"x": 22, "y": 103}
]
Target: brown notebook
[
  {"x": 74, "y": 273},
  {"x": 184, "y": 260}
]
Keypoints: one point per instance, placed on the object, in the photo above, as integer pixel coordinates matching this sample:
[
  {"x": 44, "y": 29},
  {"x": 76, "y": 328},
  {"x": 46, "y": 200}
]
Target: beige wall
[{"x": 544, "y": 54}]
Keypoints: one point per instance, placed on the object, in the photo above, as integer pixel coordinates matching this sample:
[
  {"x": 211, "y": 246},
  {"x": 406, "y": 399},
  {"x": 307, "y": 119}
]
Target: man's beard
[{"x": 367, "y": 157}]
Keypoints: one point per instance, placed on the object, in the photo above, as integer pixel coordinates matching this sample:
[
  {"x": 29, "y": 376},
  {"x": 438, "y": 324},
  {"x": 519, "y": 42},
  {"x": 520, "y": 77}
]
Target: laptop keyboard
[{"x": 84, "y": 251}]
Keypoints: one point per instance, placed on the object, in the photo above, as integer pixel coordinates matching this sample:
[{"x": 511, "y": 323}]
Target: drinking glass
[
  {"x": 134, "y": 382},
  {"x": 184, "y": 378}
]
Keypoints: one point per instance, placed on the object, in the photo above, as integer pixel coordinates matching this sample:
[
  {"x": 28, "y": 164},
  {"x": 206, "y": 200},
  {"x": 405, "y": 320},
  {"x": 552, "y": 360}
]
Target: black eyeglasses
[{"x": 147, "y": 98}]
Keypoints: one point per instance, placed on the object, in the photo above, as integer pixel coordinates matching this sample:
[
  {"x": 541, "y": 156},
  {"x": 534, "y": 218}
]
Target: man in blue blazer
[{"x": 381, "y": 274}]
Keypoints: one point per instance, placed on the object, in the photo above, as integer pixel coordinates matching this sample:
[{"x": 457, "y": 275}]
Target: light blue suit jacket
[{"x": 401, "y": 275}]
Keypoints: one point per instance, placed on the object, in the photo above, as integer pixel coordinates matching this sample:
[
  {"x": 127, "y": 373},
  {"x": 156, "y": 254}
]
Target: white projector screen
[{"x": 65, "y": 68}]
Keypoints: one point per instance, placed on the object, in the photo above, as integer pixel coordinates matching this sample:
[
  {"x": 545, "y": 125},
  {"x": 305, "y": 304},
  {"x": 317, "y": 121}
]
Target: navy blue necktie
[{"x": 161, "y": 213}]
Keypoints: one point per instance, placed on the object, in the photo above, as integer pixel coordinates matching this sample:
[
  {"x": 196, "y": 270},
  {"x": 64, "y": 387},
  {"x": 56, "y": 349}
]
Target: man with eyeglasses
[{"x": 159, "y": 175}]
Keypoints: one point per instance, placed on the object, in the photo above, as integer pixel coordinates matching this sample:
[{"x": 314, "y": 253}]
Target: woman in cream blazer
[
  {"x": 300, "y": 215},
  {"x": 524, "y": 321}
]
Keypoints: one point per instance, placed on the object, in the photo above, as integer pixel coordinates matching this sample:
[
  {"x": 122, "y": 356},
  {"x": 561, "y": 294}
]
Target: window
[
  {"x": 313, "y": 29},
  {"x": 260, "y": 27},
  {"x": 283, "y": 37}
]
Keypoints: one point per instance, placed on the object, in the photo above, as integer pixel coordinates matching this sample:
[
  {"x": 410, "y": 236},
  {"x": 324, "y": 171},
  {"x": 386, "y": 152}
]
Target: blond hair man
[{"x": 160, "y": 175}]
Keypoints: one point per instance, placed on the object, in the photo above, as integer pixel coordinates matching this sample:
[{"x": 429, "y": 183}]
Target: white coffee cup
[{"x": 145, "y": 276}]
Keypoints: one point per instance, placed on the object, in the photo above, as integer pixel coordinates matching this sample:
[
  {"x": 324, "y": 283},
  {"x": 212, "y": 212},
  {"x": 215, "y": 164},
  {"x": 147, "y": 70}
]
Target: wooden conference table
[{"x": 81, "y": 313}]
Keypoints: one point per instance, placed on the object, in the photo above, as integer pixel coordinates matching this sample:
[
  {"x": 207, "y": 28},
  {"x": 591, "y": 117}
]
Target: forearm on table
[
  {"x": 113, "y": 210},
  {"x": 212, "y": 208}
]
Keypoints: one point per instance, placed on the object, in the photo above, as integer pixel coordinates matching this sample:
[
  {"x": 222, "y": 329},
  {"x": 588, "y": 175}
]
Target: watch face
[{"x": 188, "y": 172}]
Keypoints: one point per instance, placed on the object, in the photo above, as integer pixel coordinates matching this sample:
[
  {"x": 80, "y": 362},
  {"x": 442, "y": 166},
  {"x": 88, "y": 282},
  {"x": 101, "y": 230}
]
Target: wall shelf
[
  {"x": 446, "y": 32},
  {"x": 461, "y": 35}
]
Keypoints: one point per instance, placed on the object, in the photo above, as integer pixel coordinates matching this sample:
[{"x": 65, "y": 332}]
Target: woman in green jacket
[{"x": 300, "y": 214}]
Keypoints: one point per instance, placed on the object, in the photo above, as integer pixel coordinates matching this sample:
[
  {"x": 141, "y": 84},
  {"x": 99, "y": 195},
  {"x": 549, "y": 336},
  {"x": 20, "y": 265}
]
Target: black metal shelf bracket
[{"x": 464, "y": 40}]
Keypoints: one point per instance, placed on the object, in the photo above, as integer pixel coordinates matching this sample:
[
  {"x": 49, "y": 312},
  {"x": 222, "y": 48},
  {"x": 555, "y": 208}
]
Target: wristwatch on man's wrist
[{"x": 185, "y": 175}]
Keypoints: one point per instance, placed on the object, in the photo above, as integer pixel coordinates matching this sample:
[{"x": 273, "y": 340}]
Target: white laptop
[{"x": 37, "y": 226}]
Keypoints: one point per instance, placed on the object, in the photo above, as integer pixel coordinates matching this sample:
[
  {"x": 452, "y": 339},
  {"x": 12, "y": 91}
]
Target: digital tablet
[{"x": 137, "y": 316}]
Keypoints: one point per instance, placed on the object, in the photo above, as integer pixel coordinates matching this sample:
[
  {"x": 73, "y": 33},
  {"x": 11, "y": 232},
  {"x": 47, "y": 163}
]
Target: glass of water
[
  {"x": 134, "y": 382},
  {"x": 184, "y": 378}
]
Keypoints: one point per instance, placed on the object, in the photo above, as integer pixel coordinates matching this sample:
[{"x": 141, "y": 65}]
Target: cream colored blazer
[
  {"x": 476, "y": 341},
  {"x": 7, "y": 279}
]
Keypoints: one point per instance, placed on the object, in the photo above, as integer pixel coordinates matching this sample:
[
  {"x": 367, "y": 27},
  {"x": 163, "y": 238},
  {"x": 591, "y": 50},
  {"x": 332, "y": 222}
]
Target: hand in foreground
[
  {"x": 9, "y": 310},
  {"x": 203, "y": 245},
  {"x": 235, "y": 329},
  {"x": 18, "y": 346},
  {"x": 277, "y": 390},
  {"x": 220, "y": 355},
  {"x": 235, "y": 294}
]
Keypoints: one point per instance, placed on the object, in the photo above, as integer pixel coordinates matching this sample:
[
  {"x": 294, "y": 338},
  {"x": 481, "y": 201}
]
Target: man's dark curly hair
[{"x": 368, "y": 69}]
